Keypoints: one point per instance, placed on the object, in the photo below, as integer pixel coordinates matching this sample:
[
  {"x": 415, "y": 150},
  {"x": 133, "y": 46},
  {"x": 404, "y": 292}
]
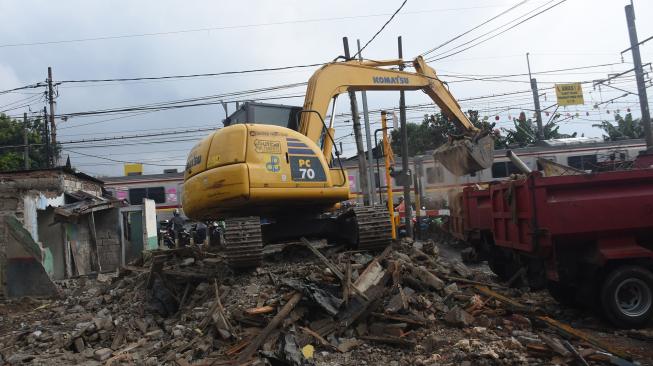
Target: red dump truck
[
  {"x": 470, "y": 218},
  {"x": 587, "y": 237}
]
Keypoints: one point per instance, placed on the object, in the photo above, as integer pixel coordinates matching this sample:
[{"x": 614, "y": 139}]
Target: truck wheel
[
  {"x": 627, "y": 296},
  {"x": 563, "y": 294},
  {"x": 498, "y": 267}
]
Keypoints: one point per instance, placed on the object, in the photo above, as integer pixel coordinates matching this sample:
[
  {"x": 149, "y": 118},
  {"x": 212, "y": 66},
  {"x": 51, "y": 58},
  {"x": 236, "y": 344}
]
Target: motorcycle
[{"x": 167, "y": 235}]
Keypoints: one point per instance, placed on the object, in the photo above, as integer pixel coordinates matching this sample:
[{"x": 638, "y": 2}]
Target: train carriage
[{"x": 438, "y": 184}]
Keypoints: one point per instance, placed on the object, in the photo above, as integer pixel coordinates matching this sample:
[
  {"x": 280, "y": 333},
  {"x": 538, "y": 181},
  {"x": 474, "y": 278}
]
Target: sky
[{"x": 84, "y": 40}]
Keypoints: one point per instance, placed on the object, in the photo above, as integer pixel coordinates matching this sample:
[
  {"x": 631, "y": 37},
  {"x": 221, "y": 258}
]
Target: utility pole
[
  {"x": 53, "y": 128},
  {"x": 360, "y": 150},
  {"x": 536, "y": 101},
  {"x": 417, "y": 176},
  {"x": 46, "y": 137},
  {"x": 639, "y": 75},
  {"x": 404, "y": 151},
  {"x": 368, "y": 137},
  {"x": 26, "y": 142}
]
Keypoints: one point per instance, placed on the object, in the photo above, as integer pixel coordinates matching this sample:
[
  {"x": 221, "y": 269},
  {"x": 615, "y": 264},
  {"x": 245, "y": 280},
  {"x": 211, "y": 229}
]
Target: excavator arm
[{"x": 463, "y": 156}]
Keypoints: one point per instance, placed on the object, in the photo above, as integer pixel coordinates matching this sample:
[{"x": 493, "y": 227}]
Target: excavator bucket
[{"x": 467, "y": 155}]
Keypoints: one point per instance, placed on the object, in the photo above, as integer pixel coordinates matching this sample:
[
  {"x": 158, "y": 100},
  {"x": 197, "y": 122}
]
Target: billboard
[{"x": 569, "y": 94}]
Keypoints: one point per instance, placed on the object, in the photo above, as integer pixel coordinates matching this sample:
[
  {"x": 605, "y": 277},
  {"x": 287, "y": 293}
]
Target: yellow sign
[
  {"x": 133, "y": 169},
  {"x": 569, "y": 94}
]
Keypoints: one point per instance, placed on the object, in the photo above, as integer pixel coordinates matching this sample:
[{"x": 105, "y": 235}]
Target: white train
[
  {"x": 437, "y": 182},
  {"x": 591, "y": 154}
]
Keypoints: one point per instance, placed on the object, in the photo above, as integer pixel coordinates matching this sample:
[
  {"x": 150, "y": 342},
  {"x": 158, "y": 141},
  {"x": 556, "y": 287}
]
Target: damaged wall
[
  {"x": 22, "y": 270},
  {"x": 107, "y": 226},
  {"x": 52, "y": 239},
  {"x": 80, "y": 242},
  {"x": 66, "y": 249}
]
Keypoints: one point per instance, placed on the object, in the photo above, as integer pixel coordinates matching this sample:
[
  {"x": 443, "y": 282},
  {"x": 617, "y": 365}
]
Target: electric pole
[
  {"x": 46, "y": 138},
  {"x": 53, "y": 128},
  {"x": 360, "y": 150},
  {"x": 639, "y": 75},
  {"x": 26, "y": 142},
  {"x": 404, "y": 151},
  {"x": 368, "y": 138},
  {"x": 536, "y": 102}
]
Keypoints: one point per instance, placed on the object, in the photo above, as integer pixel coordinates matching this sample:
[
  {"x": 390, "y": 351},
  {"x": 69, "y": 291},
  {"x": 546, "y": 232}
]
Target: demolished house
[{"x": 54, "y": 224}]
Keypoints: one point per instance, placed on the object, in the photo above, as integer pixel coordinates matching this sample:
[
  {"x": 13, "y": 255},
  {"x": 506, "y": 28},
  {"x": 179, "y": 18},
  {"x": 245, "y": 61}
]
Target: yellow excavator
[{"x": 272, "y": 184}]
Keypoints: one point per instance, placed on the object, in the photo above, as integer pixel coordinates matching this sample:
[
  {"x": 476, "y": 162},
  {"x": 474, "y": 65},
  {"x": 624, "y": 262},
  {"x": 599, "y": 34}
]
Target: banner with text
[{"x": 569, "y": 94}]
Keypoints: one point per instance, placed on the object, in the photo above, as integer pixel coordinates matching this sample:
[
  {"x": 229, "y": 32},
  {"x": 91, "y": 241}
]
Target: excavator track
[
  {"x": 374, "y": 227},
  {"x": 243, "y": 242}
]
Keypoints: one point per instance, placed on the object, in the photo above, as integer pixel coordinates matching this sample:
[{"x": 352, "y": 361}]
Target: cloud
[{"x": 8, "y": 78}]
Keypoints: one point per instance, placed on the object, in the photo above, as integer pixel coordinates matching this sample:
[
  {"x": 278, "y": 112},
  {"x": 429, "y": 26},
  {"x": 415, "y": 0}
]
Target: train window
[
  {"x": 157, "y": 194},
  {"x": 582, "y": 162},
  {"x": 136, "y": 195},
  {"x": 434, "y": 175},
  {"x": 503, "y": 169}
]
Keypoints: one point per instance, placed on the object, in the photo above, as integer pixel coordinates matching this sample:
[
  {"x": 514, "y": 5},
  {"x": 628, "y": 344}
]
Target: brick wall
[{"x": 108, "y": 250}]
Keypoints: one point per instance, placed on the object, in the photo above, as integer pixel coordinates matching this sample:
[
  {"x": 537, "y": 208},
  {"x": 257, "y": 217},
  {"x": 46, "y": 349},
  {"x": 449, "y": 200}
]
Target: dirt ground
[{"x": 415, "y": 304}]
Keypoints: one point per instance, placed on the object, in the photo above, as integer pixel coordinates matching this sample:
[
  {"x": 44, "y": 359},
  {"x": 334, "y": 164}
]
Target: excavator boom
[{"x": 466, "y": 154}]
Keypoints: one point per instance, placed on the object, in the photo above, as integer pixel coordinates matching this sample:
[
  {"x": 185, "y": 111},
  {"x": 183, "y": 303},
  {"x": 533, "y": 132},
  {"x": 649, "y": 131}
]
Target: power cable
[
  {"x": 114, "y": 160},
  {"x": 178, "y": 132},
  {"x": 206, "y": 29},
  {"x": 474, "y": 28},
  {"x": 380, "y": 30},
  {"x": 31, "y": 86},
  {"x": 186, "y": 76},
  {"x": 437, "y": 58}
]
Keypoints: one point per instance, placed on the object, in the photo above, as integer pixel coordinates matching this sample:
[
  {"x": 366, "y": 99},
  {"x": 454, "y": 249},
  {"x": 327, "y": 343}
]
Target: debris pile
[{"x": 408, "y": 305}]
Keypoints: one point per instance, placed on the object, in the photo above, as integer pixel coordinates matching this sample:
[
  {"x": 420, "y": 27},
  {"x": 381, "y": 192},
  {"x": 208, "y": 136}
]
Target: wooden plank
[
  {"x": 336, "y": 271},
  {"x": 260, "y": 310},
  {"x": 395, "y": 341},
  {"x": 256, "y": 343},
  {"x": 95, "y": 259},
  {"x": 400, "y": 318}
]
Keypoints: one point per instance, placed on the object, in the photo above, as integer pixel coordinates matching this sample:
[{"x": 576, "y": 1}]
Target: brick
[{"x": 102, "y": 354}]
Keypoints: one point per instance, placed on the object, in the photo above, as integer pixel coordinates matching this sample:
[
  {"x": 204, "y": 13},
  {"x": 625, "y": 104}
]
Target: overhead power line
[
  {"x": 126, "y": 137},
  {"x": 31, "y": 86},
  {"x": 446, "y": 54},
  {"x": 474, "y": 28},
  {"x": 382, "y": 28},
  {"x": 115, "y": 160},
  {"x": 187, "y": 76},
  {"x": 230, "y": 27}
]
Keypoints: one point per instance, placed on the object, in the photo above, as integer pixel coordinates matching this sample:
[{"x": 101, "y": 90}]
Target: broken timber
[
  {"x": 336, "y": 271},
  {"x": 249, "y": 351}
]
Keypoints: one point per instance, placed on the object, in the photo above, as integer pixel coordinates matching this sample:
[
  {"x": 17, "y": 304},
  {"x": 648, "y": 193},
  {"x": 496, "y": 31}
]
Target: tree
[
  {"x": 435, "y": 130},
  {"x": 432, "y": 132},
  {"x": 525, "y": 132},
  {"x": 11, "y": 134},
  {"x": 626, "y": 128}
]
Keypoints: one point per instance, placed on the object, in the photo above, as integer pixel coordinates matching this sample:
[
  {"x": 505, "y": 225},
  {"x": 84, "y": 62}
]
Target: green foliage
[
  {"x": 435, "y": 129},
  {"x": 525, "y": 131},
  {"x": 11, "y": 133},
  {"x": 626, "y": 128}
]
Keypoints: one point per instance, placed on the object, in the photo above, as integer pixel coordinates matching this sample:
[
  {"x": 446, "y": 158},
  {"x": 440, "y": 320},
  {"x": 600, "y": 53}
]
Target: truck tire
[
  {"x": 563, "y": 294},
  {"x": 627, "y": 296}
]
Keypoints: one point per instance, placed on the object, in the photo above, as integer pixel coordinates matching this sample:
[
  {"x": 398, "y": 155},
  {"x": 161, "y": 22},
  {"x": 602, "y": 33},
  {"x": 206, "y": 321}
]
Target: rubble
[{"x": 409, "y": 305}]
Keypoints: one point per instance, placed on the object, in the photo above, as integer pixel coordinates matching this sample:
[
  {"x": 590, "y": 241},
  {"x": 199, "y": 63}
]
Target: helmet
[{"x": 176, "y": 212}]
